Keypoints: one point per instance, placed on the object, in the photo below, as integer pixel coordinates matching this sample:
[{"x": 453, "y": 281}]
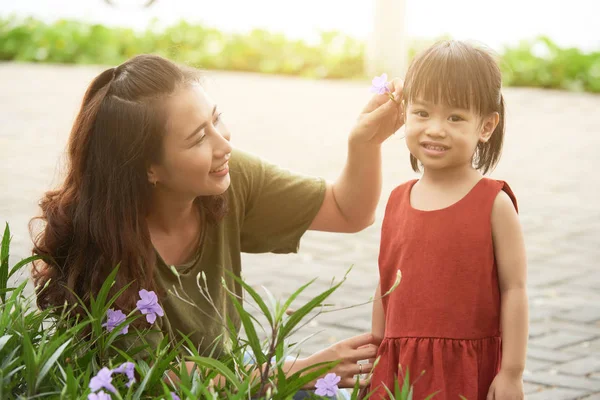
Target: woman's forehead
[{"x": 188, "y": 106}]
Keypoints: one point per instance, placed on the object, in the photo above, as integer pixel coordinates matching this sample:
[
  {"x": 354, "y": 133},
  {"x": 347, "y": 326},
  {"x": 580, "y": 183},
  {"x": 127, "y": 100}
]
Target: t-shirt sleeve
[{"x": 279, "y": 205}]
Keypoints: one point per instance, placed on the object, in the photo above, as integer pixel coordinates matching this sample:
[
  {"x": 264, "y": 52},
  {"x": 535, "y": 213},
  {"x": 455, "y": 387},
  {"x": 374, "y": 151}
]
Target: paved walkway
[{"x": 550, "y": 159}]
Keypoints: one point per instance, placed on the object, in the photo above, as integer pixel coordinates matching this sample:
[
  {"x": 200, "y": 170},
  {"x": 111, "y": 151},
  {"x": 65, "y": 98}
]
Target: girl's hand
[
  {"x": 380, "y": 118},
  {"x": 506, "y": 386},
  {"x": 349, "y": 352}
]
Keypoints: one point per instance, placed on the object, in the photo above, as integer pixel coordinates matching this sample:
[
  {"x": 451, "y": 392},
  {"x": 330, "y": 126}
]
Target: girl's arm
[
  {"x": 378, "y": 318},
  {"x": 509, "y": 248}
]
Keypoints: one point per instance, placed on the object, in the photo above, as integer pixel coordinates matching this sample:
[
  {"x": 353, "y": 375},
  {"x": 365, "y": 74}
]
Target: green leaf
[
  {"x": 406, "y": 385},
  {"x": 219, "y": 367},
  {"x": 22, "y": 263},
  {"x": 51, "y": 362},
  {"x": 299, "y": 314},
  {"x": 3, "y": 340},
  {"x": 253, "y": 339},
  {"x": 259, "y": 301}
]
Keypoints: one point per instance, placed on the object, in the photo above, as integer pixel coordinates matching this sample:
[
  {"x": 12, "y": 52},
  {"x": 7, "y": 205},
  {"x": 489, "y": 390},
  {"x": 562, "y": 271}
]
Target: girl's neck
[
  {"x": 169, "y": 213},
  {"x": 450, "y": 176}
]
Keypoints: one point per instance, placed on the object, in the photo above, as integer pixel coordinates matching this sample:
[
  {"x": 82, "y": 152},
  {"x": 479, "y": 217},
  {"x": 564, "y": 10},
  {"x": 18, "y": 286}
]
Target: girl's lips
[{"x": 434, "y": 149}]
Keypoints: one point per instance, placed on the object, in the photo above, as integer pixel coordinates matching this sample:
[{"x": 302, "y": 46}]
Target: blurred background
[
  {"x": 291, "y": 78},
  {"x": 542, "y": 43}
]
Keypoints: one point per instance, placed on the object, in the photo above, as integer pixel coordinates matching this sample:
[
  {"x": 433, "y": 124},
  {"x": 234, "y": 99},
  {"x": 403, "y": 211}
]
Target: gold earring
[{"x": 154, "y": 184}]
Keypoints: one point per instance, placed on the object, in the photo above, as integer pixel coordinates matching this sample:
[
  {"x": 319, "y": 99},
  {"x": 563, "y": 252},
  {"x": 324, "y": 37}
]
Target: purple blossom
[
  {"x": 379, "y": 84},
  {"x": 327, "y": 386},
  {"x": 99, "y": 396},
  {"x": 113, "y": 319},
  {"x": 149, "y": 306},
  {"x": 128, "y": 369},
  {"x": 174, "y": 396},
  {"x": 103, "y": 381}
]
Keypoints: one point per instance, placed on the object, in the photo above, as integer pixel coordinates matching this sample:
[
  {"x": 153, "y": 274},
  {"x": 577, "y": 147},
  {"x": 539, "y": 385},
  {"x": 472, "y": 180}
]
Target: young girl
[{"x": 458, "y": 321}]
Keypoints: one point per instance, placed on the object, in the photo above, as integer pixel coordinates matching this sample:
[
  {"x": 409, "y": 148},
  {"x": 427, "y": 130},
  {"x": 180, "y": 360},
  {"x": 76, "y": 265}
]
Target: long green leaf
[
  {"x": 253, "y": 339},
  {"x": 406, "y": 385},
  {"x": 4, "y": 255},
  {"x": 293, "y": 297},
  {"x": 3, "y": 340},
  {"x": 50, "y": 362},
  {"x": 259, "y": 301},
  {"x": 302, "y": 378},
  {"x": 299, "y": 314},
  {"x": 219, "y": 367},
  {"x": 22, "y": 263}
]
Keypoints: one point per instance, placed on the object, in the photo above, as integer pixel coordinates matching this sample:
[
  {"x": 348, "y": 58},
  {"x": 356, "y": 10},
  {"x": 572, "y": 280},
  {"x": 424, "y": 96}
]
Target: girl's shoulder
[{"x": 498, "y": 187}]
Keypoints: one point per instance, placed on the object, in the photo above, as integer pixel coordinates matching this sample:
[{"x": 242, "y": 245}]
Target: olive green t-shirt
[{"x": 270, "y": 208}]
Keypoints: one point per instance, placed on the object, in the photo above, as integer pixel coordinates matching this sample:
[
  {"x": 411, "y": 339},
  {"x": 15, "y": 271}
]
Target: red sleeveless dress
[{"x": 442, "y": 323}]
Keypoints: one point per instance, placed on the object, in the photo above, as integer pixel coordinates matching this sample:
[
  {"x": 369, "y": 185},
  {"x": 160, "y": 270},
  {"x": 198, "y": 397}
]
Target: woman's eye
[{"x": 218, "y": 118}]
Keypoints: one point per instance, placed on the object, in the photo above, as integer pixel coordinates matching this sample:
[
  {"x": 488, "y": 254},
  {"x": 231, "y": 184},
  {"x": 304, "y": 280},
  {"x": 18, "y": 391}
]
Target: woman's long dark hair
[{"x": 97, "y": 218}]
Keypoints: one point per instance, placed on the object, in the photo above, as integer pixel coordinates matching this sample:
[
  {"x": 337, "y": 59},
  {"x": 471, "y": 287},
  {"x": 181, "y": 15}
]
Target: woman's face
[{"x": 195, "y": 148}]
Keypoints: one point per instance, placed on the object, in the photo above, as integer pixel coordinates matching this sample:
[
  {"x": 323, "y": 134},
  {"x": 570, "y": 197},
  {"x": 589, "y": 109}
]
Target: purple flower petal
[
  {"x": 128, "y": 369},
  {"x": 113, "y": 319},
  {"x": 151, "y": 317},
  {"x": 148, "y": 305},
  {"x": 174, "y": 396},
  {"x": 99, "y": 396},
  {"x": 327, "y": 386},
  {"x": 379, "y": 84},
  {"x": 102, "y": 381}
]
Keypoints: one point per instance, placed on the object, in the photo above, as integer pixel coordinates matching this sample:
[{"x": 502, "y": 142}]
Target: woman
[{"x": 153, "y": 182}]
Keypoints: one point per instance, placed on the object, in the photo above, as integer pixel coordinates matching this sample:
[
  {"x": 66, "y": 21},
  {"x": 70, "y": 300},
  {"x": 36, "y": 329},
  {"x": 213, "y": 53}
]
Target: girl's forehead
[{"x": 438, "y": 104}]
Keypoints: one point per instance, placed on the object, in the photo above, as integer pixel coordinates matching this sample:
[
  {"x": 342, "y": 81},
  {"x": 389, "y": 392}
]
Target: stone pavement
[{"x": 550, "y": 160}]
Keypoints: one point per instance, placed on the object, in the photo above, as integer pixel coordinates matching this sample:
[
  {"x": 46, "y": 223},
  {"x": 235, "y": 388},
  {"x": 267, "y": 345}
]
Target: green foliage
[
  {"x": 537, "y": 63},
  {"x": 53, "y": 354}
]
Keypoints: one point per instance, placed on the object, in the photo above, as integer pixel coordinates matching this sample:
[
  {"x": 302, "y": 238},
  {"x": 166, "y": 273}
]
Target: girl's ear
[{"x": 489, "y": 125}]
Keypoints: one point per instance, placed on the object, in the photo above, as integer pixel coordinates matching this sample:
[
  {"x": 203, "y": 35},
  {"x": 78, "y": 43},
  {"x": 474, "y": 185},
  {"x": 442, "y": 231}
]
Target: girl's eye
[
  {"x": 422, "y": 114},
  {"x": 218, "y": 118},
  {"x": 456, "y": 118}
]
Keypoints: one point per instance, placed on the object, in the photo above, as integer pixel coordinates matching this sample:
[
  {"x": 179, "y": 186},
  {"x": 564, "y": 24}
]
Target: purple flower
[
  {"x": 149, "y": 306},
  {"x": 327, "y": 386},
  {"x": 174, "y": 396},
  {"x": 99, "y": 396},
  {"x": 127, "y": 369},
  {"x": 113, "y": 319},
  {"x": 102, "y": 381},
  {"x": 379, "y": 84}
]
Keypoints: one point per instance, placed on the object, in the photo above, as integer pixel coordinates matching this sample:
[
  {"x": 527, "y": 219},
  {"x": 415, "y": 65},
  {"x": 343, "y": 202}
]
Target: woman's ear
[{"x": 152, "y": 175}]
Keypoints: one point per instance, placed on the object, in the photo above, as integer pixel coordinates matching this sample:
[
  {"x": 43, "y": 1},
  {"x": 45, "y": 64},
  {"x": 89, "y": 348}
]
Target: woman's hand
[
  {"x": 349, "y": 352},
  {"x": 381, "y": 117}
]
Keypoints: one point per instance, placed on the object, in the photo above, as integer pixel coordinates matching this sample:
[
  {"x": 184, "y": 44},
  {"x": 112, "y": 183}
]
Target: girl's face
[
  {"x": 440, "y": 136},
  {"x": 195, "y": 148}
]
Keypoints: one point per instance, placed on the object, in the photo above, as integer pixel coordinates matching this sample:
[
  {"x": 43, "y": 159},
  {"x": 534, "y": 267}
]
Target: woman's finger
[
  {"x": 350, "y": 382},
  {"x": 397, "y": 85},
  {"x": 364, "y": 353},
  {"x": 362, "y": 368},
  {"x": 361, "y": 340}
]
